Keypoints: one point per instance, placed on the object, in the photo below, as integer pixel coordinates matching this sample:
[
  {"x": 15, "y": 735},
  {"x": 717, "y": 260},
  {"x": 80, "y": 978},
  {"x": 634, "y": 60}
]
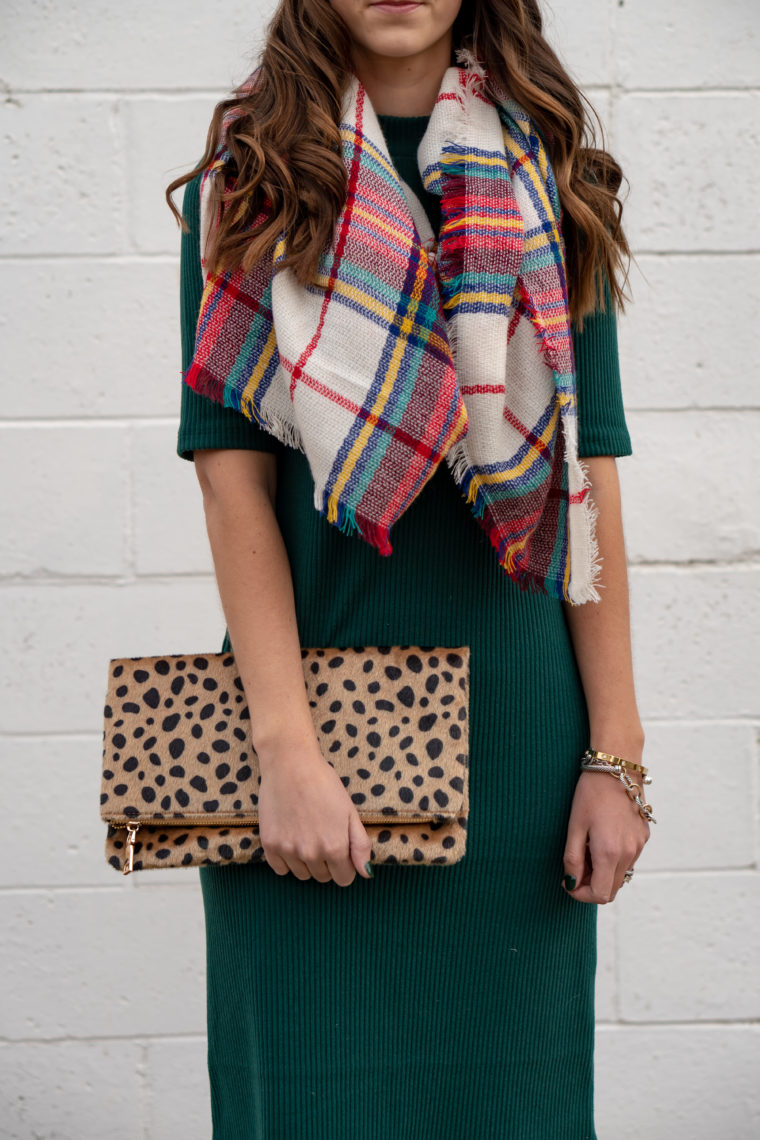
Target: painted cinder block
[
  {"x": 700, "y": 777},
  {"x": 670, "y": 357},
  {"x": 689, "y": 492},
  {"x": 584, "y": 46},
  {"x": 688, "y": 947},
  {"x": 67, "y": 513},
  {"x": 178, "y": 1103},
  {"x": 684, "y": 195},
  {"x": 695, "y": 1081},
  {"x": 606, "y": 963},
  {"x": 111, "y": 343},
  {"x": 93, "y": 45},
  {"x": 698, "y": 44},
  {"x": 103, "y": 962},
  {"x": 62, "y": 175},
  {"x": 67, "y": 1089},
  {"x": 165, "y": 137},
  {"x": 695, "y": 633},
  {"x": 167, "y": 506}
]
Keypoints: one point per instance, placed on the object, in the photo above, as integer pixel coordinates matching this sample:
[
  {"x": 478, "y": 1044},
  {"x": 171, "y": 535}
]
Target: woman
[{"x": 421, "y": 1001}]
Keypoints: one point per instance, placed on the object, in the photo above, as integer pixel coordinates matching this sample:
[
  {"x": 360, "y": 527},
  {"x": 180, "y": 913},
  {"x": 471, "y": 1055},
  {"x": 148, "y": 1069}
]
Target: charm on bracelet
[{"x": 594, "y": 761}]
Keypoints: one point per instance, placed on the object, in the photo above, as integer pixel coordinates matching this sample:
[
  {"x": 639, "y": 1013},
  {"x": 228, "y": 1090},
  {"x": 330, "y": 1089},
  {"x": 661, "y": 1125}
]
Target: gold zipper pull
[{"x": 132, "y": 829}]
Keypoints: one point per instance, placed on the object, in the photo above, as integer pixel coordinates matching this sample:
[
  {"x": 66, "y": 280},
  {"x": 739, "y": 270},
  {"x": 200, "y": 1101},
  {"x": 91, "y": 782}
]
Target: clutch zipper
[{"x": 133, "y": 828}]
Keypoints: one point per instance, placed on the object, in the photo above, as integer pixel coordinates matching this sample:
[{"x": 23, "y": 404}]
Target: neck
[{"x": 403, "y": 86}]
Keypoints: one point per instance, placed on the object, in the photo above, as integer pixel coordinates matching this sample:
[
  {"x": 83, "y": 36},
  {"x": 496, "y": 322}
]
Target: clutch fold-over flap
[{"x": 392, "y": 721}]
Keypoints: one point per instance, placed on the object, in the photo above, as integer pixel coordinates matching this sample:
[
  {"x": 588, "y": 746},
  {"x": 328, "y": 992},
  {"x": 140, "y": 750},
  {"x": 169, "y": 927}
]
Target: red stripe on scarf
[
  {"x": 340, "y": 245},
  {"x": 526, "y": 433}
]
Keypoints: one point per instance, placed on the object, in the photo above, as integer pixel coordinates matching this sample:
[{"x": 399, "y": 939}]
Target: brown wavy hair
[{"x": 286, "y": 169}]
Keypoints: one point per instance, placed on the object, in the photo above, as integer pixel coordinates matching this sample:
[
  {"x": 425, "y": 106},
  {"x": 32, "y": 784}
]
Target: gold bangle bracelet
[{"x": 596, "y": 755}]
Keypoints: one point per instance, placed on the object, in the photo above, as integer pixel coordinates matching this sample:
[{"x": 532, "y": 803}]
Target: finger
[
  {"x": 360, "y": 844},
  {"x": 276, "y": 862},
  {"x": 627, "y": 862},
  {"x": 339, "y": 862},
  {"x": 342, "y": 871},
  {"x": 298, "y": 867},
  {"x": 574, "y": 858},
  {"x": 319, "y": 870},
  {"x": 604, "y": 863}
]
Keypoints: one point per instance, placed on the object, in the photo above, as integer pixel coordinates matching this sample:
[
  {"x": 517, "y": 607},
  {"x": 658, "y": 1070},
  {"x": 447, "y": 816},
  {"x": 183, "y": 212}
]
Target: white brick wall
[{"x": 105, "y": 552}]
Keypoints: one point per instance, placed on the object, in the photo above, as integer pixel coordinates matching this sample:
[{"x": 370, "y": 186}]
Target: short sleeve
[
  {"x": 602, "y": 428},
  {"x": 203, "y": 422}
]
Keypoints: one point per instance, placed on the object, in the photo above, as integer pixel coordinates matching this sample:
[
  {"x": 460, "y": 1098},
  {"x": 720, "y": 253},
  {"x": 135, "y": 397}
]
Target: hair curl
[{"x": 286, "y": 169}]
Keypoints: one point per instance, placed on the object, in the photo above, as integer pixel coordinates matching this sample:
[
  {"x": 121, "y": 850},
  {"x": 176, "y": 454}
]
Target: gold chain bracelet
[{"x": 594, "y": 761}]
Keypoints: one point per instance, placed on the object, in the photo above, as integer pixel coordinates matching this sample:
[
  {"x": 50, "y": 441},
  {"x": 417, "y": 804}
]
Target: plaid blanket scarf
[{"x": 407, "y": 350}]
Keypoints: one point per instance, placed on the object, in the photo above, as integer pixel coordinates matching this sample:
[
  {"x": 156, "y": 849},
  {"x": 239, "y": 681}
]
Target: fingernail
[
  {"x": 570, "y": 882},
  {"x": 368, "y": 869}
]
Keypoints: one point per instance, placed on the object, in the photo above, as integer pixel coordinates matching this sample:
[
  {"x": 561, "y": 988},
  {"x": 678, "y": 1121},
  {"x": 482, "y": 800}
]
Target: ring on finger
[{"x": 628, "y": 875}]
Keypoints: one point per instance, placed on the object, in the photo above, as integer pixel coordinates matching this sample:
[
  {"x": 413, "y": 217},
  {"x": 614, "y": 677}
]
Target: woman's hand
[
  {"x": 307, "y": 821},
  {"x": 605, "y": 837}
]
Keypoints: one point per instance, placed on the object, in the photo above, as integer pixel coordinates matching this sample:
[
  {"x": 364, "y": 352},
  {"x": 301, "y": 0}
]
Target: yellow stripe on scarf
[{"x": 386, "y": 388}]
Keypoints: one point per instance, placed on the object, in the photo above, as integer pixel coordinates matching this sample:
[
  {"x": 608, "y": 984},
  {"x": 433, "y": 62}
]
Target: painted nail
[
  {"x": 368, "y": 869},
  {"x": 570, "y": 882}
]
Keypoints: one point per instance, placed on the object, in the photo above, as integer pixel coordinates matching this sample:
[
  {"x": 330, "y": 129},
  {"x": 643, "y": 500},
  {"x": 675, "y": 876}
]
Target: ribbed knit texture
[{"x": 427, "y": 1003}]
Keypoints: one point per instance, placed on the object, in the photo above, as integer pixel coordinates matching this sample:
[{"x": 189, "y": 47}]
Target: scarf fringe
[
  {"x": 344, "y": 517},
  {"x": 586, "y": 517},
  {"x": 283, "y": 430}
]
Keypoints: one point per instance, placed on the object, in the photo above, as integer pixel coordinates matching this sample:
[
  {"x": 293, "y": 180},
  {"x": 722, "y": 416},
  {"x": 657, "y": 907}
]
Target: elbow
[{"x": 226, "y": 474}]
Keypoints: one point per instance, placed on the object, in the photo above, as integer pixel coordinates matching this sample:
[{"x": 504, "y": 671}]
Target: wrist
[
  {"x": 288, "y": 746},
  {"x": 626, "y": 740}
]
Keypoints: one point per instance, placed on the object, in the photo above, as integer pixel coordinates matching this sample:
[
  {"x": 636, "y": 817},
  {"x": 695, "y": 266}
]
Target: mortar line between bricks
[
  {"x": 130, "y": 257},
  {"x": 129, "y": 536},
  {"x": 740, "y": 1025},
  {"x": 747, "y": 720},
  {"x": 689, "y": 566},
  {"x": 136, "y": 256},
  {"x": 750, "y": 873},
  {"x": 125, "y": 421},
  {"x": 100, "y": 888},
  {"x": 159, "y": 420},
  {"x": 754, "y": 783},
  {"x": 734, "y": 409},
  {"x": 750, "y": 564},
  {"x": 118, "y": 581},
  {"x": 616, "y": 999},
  {"x": 146, "y": 1039},
  {"x": 170, "y": 94},
  {"x": 144, "y": 1090},
  {"x": 613, "y": 90},
  {"x": 116, "y": 127},
  {"x": 643, "y": 251},
  {"x": 741, "y": 560}
]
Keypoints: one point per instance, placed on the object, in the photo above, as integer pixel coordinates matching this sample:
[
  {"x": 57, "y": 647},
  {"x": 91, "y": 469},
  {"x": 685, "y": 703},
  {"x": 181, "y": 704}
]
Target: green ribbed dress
[{"x": 429, "y": 1002}]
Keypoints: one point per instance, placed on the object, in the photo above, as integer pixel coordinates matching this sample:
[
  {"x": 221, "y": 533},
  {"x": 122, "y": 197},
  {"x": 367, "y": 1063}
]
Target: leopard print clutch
[{"x": 180, "y": 776}]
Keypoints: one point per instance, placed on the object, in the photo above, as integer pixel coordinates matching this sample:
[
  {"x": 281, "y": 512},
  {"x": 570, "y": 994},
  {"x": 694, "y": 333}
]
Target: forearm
[
  {"x": 256, "y": 591},
  {"x": 600, "y": 631}
]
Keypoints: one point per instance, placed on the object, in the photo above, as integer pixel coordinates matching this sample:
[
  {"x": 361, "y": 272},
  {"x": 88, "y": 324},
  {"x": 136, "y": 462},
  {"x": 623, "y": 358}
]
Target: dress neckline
[{"x": 403, "y": 133}]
